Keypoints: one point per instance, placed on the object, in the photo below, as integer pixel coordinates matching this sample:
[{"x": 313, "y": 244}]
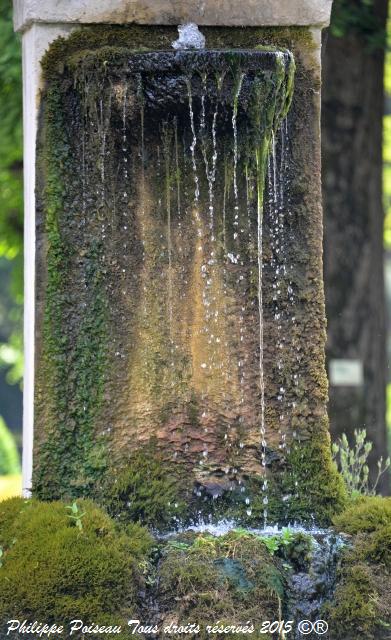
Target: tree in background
[
  {"x": 11, "y": 220},
  {"x": 353, "y": 105}
]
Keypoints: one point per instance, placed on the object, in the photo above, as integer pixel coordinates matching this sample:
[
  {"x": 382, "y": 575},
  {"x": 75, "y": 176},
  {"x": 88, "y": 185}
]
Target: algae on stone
[{"x": 116, "y": 256}]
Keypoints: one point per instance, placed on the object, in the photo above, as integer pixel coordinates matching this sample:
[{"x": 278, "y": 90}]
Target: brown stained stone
[{"x": 156, "y": 385}]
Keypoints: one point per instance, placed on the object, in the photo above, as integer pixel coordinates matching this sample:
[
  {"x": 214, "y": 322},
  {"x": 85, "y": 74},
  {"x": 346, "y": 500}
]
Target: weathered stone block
[{"x": 180, "y": 312}]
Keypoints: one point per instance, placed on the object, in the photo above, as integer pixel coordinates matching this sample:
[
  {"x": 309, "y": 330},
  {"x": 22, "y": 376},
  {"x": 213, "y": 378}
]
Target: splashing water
[
  {"x": 223, "y": 527},
  {"x": 190, "y": 37}
]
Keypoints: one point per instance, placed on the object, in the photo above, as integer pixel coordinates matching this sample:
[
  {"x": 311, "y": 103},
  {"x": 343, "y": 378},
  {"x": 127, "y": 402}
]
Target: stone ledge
[{"x": 230, "y": 13}]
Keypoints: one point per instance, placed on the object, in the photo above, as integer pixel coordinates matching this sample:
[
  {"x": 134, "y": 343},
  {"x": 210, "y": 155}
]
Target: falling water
[
  {"x": 193, "y": 142},
  {"x": 104, "y": 115},
  {"x": 276, "y": 180},
  {"x": 241, "y": 281},
  {"x": 292, "y": 298},
  {"x": 211, "y": 161},
  {"x": 83, "y": 157},
  {"x": 284, "y": 299},
  {"x": 208, "y": 297},
  {"x": 260, "y": 179},
  {"x": 124, "y": 141},
  {"x": 177, "y": 172},
  {"x": 169, "y": 239},
  {"x": 235, "y": 134}
]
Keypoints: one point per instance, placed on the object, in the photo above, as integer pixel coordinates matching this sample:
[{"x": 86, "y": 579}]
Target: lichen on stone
[{"x": 108, "y": 377}]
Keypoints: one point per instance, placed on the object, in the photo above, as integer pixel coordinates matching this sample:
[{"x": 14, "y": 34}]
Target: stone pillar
[{"x": 175, "y": 312}]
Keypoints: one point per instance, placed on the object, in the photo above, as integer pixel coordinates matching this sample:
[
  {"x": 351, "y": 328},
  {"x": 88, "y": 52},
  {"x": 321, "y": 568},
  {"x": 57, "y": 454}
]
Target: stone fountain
[{"x": 175, "y": 321}]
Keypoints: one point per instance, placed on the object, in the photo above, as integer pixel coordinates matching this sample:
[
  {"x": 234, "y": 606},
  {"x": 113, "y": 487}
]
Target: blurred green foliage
[
  {"x": 11, "y": 197},
  {"x": 9, "y": 458},
  {"x": 358, "y": 16}
]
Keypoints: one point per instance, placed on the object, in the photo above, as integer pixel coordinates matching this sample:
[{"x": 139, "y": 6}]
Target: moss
[
  {"x": 362, "y": 600},
  {"x": 53, "y": 570},
  {"x": 232, "y": 579},
  {"x": 145, "y": 491},
  {"x": 310, "y": 480},
  {"x": 298, "y": 551},
  {"x": 71, "y": 381},
  {"x": 366, "y": 514},
  {"x": 10, "y": 511},
  {"x": 134, "y": 37},
  {"x": 310, "y": 483},
  {"x": 376, "y": 547},
  {"x": 314, "y": 482},
  {"x": 353, "y": 611}
]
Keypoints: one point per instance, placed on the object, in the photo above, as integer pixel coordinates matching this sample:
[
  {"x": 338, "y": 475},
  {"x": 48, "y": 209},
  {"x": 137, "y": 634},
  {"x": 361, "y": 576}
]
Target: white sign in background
[{"x": 346, "y": 373}]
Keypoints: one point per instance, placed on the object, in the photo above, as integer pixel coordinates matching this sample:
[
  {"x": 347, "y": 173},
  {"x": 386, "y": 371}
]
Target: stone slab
[
  {"x": 34, "y": 44},
  {"x": 171, "y": 12}
]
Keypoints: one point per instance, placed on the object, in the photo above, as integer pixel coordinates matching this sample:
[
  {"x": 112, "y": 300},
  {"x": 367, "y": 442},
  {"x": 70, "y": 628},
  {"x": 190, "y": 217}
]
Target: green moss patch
[
  {"x": 353, "y": 611},
  {"x": 366, "y": 514},
  {"x": 230, "y": 580},
  {"x": 145, "y": 491},
  {"x": 53, "y": 569},
  {"x": 361, "y": 606},
  {"x": 70, "y": 379},
  {"x": 317, "y": 487}
]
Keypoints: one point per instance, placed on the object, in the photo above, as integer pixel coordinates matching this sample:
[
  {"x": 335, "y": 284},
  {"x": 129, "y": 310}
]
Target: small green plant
[
  {"x": 76, "y": 515},
  {"x": 272, "y": 543},
  {"x": 181, "y": 546},
  {"x": 287, "y": 536},
  {"x": 353, "y": 463}
]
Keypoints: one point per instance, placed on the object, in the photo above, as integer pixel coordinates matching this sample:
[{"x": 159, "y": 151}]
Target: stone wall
[{"x": 123, "y": 350}]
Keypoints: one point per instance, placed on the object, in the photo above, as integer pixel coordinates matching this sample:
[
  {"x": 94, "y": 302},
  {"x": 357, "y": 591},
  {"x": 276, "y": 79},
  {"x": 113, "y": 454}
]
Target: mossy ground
[
  {"x": 361, "y": 606},
  {"x": 232, "y": 580},
  {"x": 101, "y": 572},
  {"x": 53, "y": 570},
  {"x": 109, "y": 573}
]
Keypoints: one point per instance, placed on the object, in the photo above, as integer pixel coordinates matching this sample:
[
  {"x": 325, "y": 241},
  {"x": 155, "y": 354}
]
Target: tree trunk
[{"x": 353, "y": 245}]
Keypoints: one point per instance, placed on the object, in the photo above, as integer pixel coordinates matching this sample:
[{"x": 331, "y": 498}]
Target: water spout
[{"x": 190, "y": 37}]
